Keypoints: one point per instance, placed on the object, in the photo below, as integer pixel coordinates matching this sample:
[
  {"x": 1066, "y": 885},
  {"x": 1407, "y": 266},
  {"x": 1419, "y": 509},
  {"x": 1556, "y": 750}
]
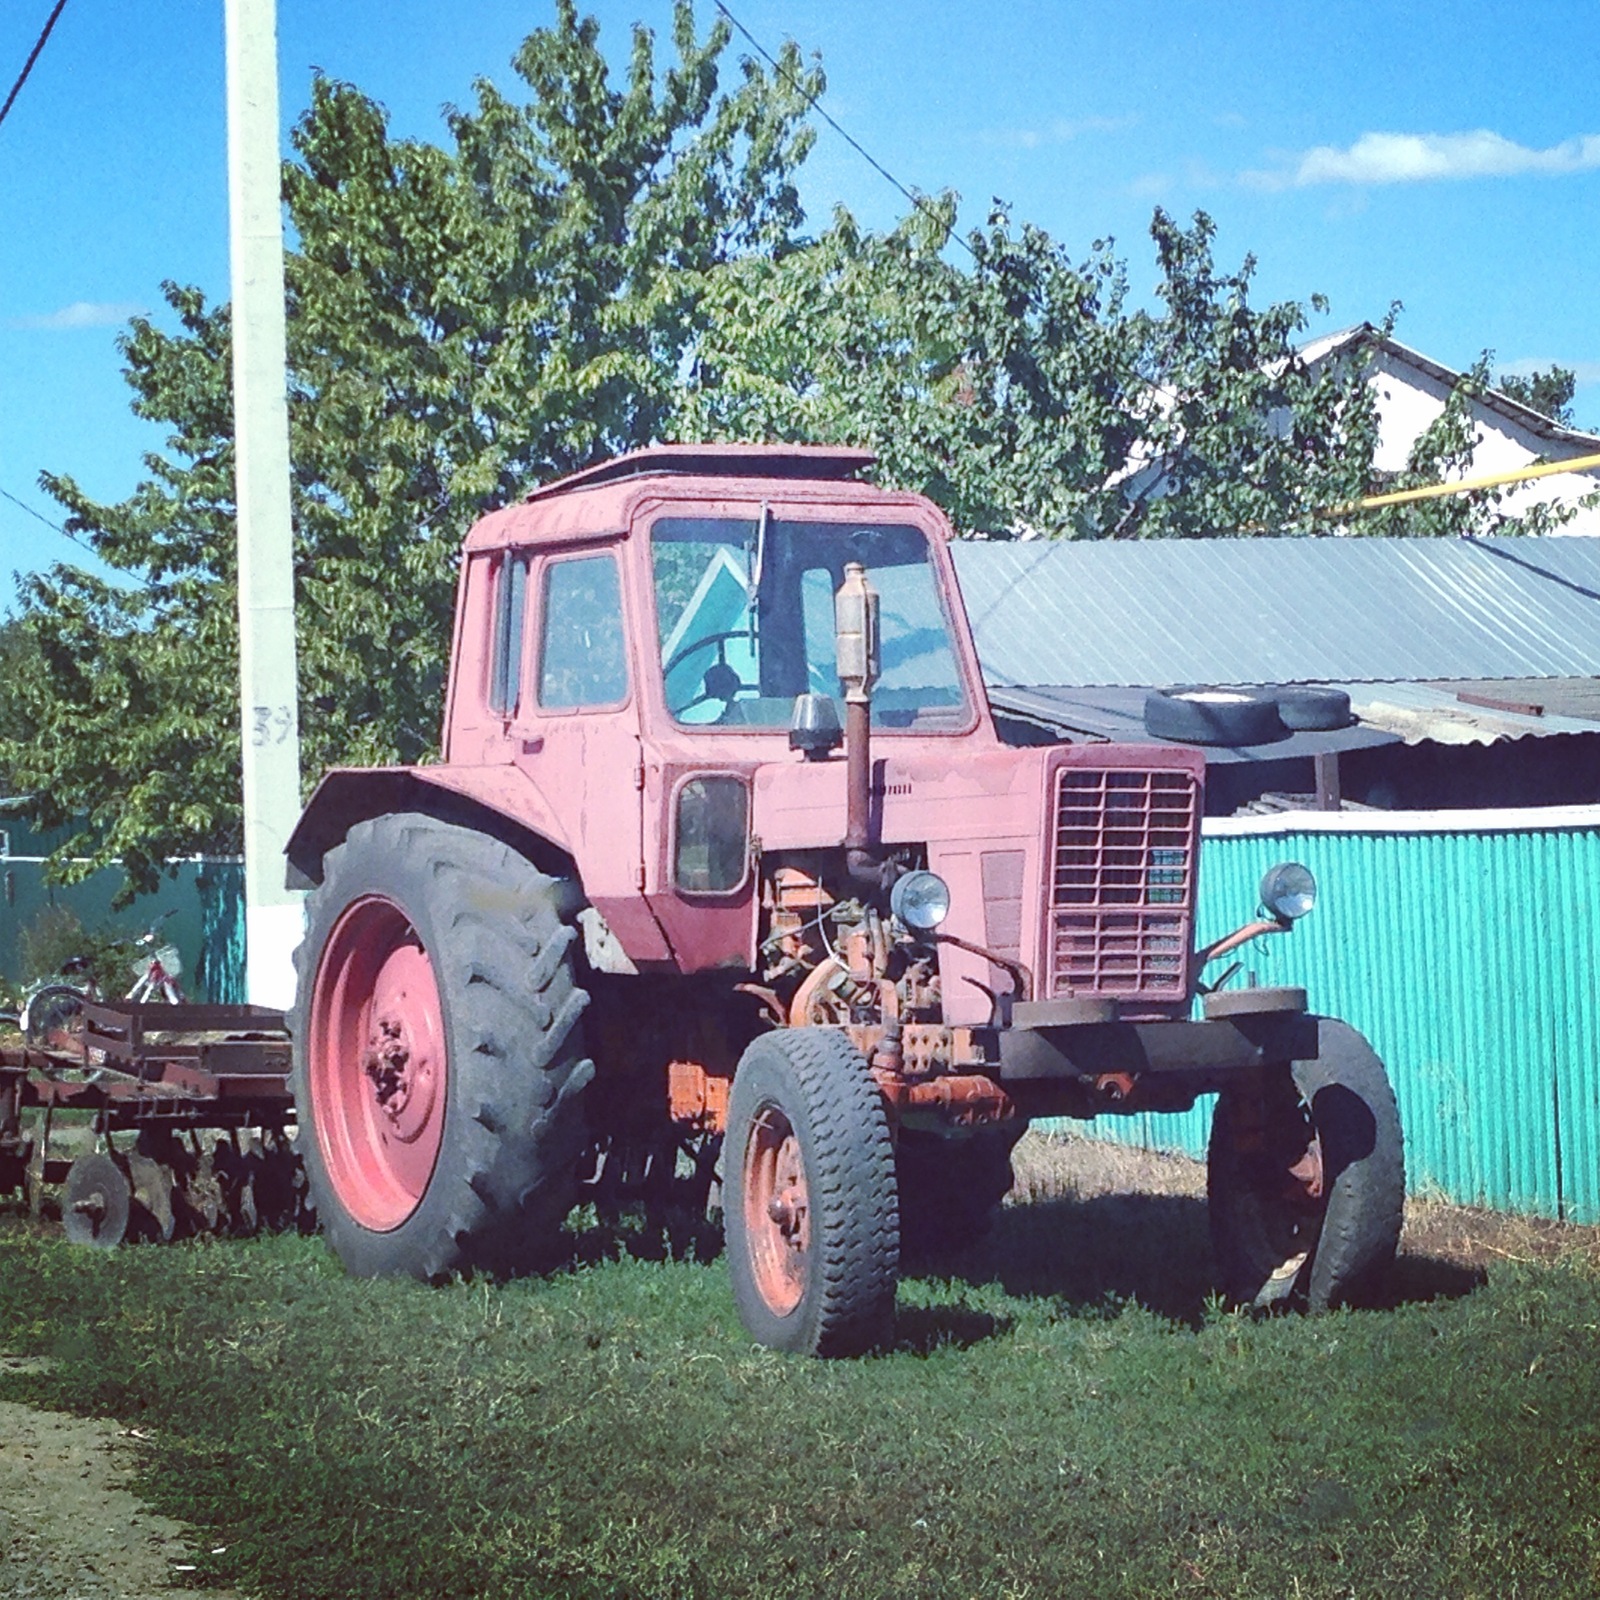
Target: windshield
[{"x": 746, "y": 616}]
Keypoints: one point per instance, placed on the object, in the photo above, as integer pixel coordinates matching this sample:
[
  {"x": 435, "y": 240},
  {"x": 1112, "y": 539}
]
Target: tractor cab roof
[
  {"x": 717, "y": 461},
  {"x": 599, "y": 502}
]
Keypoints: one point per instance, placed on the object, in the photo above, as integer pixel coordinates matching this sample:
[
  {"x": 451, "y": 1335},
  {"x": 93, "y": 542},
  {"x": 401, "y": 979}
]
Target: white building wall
[{"x": 1410, "y": 400}]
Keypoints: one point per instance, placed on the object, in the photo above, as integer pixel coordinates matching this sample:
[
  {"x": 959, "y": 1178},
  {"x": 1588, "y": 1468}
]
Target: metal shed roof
[
  {"x": 1116, "y": 715},
  {"x": 1317, "y": 610}
]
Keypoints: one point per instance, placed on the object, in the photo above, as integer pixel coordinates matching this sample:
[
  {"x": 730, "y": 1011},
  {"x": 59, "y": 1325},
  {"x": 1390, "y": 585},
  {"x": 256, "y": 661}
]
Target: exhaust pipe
[{"x": 855, "y": 620}]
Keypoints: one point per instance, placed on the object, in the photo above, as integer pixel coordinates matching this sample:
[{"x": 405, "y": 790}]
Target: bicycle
[{"x": 52, "y": 1011}]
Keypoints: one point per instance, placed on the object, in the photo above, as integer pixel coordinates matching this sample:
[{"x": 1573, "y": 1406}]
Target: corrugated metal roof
[
  {"x": 1388, "y": 713},
  {"x": 1538, "y": 697},
  {"x": 1315, "y": 610},
  {"x": 1423, "y": 711}
]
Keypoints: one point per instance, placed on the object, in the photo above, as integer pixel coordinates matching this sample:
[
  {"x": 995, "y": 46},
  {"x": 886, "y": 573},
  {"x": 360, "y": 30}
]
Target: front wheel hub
[
  {"x": 777, "y": 1210},
  {"x": 400, "y": 1064}
]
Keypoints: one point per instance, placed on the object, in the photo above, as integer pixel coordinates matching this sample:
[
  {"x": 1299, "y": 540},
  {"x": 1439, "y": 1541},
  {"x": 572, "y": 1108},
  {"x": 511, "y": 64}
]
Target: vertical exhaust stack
[{"x": 855, "y": 621}]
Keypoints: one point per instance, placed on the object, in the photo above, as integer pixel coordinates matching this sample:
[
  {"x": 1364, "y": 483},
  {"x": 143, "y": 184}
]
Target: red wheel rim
[
  {"x": 777, "y": 1210},
  {"x": 1290, "y": 1189},
  {"x": 377, "y": 1067}
]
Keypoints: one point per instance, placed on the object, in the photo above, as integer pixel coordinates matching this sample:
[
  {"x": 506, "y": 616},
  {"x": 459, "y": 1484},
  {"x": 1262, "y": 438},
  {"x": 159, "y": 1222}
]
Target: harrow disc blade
[
  {"x": 152, "y": 1195},
  {"x": 95, "y": 1202}
]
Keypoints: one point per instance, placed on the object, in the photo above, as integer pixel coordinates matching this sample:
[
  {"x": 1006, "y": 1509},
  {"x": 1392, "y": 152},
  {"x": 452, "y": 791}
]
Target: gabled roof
[
  {"x": 1364, "y": 336},
  {"x": 1315, "y": 610}
]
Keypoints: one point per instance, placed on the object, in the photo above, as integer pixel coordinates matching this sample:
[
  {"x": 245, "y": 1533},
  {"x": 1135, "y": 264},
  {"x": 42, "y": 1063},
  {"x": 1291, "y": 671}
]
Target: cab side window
[
  {"x": 505, "y": 646},
  {"x": 582, "y": 661}
]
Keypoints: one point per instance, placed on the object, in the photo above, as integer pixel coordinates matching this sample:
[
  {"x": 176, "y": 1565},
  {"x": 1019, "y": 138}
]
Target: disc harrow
[{"x": 154, "y": 1122}]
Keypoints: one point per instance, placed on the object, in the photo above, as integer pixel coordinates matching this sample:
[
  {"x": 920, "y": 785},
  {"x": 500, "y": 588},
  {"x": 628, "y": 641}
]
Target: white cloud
[
  {"x": 1156, "y": 185},
  {"x": 83, "y": 314},
  {"x": 1426, "y": 157},
  {"x": 1061, "y": 131}
]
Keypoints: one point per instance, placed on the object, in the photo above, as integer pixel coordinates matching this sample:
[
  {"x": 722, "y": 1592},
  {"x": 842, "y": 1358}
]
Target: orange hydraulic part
[
  {"x": 695, "y": 1095},
  {"x": 920, "y": 1079},
  {"x": 956, "y": 1099}
]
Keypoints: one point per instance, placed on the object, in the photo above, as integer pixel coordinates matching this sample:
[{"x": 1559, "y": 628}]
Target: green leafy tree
[
  {"x": 1023, "y": 392},
  {"x": 1442, "y": 453},
  {"x": 1549, "y": 392},
  {"x": 464, "y": 320}
]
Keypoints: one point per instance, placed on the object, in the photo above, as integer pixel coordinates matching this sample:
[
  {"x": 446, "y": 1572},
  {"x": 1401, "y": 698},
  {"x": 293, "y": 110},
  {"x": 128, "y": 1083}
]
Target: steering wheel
[{"x": 726, "y": 679}]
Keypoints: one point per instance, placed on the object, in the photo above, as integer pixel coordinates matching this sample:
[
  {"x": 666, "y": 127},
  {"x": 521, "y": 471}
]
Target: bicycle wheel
[{"x": 53, "y": 1018}]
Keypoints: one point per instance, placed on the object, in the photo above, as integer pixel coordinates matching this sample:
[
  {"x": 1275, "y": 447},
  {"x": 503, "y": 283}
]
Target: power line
[
  {"x": 27, "y": 67},
  {"x": 855, "y": 144},
  {"x": 39, "y": 516}
]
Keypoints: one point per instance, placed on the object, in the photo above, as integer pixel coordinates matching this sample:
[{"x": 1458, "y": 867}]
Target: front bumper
[{"x": 1192, "y": 1050}]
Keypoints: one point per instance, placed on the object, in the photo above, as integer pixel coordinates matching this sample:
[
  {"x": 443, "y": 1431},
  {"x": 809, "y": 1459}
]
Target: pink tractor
[{"x": 725, "y": 888}]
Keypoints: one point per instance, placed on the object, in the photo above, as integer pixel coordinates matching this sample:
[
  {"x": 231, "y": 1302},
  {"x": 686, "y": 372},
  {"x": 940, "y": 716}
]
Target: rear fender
[{"x": 502, "y": 801}]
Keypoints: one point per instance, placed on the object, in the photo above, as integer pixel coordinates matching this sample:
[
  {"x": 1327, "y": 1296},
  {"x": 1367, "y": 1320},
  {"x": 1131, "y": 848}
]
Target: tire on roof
[
  {"x": 1313, "y": 707},
  {"x": 1201, "y": 715}
]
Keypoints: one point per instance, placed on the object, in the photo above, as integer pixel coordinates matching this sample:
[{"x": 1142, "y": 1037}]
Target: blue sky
[{"x": 1446, "y": 157}]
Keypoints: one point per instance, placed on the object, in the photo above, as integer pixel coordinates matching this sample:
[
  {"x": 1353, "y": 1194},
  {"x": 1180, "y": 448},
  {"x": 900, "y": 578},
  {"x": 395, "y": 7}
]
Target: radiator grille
[{"x": 1122, "y": 886}]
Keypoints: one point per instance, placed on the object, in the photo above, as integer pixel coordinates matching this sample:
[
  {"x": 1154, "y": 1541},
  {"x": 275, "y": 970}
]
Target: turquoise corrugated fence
[{"x": 1471, "y": 959}]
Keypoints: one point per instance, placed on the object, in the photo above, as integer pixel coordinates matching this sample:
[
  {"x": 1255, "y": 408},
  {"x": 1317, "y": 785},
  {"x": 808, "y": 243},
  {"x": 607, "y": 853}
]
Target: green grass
[{"x": 1072, "y": 1417}]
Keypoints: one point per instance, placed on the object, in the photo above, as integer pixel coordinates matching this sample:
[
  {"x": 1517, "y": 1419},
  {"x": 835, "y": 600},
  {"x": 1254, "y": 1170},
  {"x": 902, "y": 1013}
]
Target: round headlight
[
  {"x": 921, "y": 900},
  {"x": 1288, "y": 891}
]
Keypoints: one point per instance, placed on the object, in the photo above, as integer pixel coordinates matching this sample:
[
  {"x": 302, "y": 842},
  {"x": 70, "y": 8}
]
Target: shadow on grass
[
  {"x": 1094, "y": 1255},
  {"x": 641, "y": 1234},
  {"x": 920, "y": 1330},
  {"x": 1090, "y": 1255},
  {"x": 1417, "y": 1279}
]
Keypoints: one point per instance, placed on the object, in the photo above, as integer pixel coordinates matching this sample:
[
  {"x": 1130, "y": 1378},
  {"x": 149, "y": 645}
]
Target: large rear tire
[
  {"x": 810, "y": 1213},
  {"x": 1306, "y": 1183},
  {"x": 439, "y": 1059}
]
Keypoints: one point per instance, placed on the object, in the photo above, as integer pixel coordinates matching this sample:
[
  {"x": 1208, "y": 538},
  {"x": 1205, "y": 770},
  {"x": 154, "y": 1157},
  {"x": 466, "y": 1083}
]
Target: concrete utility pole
[{"x": 267, "y": 678}]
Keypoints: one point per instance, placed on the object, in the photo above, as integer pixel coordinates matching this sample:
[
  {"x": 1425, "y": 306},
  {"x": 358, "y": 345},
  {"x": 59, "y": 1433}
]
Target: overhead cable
[
  {"x": 27, "y": 66},
  {"x": 39, "y": 516},
  {"x": 860, "y": 149}
]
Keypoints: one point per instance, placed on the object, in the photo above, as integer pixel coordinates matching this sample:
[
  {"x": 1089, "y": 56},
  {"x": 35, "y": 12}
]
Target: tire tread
[{"x": 514, "y": 1127}]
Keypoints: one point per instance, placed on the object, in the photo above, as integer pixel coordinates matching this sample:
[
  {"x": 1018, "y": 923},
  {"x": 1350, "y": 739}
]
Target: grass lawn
[{"x": 1065, "y": 1413}]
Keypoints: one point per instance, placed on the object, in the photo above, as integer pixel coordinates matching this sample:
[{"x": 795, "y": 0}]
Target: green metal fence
[
  {"x": 1466, "y": 946},
  {"x": 202, "y": 899}
]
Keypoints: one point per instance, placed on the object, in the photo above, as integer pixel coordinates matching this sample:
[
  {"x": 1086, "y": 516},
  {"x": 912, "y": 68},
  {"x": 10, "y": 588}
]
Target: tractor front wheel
[
  {"x": 1306, "y": 1180},
  {"x": 809, "y": 1208}
]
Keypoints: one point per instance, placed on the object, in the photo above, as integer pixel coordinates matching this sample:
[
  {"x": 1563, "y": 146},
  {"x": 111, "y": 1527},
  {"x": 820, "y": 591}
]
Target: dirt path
[{"x": 70, "y": 1528}]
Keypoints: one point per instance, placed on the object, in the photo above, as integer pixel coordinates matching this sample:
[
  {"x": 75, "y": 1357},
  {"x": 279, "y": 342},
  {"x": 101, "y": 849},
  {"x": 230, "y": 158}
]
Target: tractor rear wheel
[
  {"x": 1306, "y": 1181},
  {"x": 809, "y": 1207},
  {"x": 438, "y": 1052}
]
